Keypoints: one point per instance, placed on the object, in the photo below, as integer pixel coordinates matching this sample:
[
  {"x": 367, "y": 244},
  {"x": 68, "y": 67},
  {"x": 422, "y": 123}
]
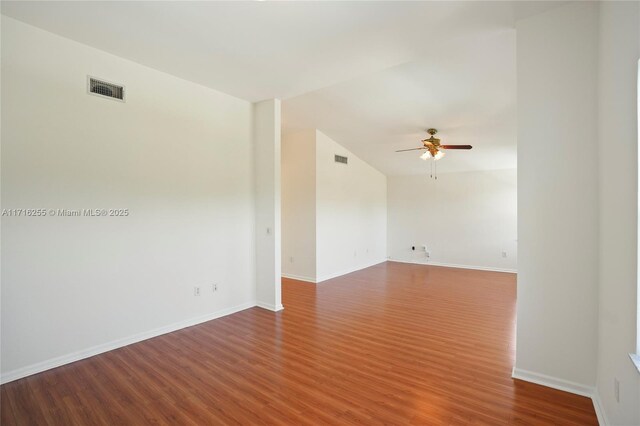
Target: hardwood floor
[{"x": 392, "y": 344}]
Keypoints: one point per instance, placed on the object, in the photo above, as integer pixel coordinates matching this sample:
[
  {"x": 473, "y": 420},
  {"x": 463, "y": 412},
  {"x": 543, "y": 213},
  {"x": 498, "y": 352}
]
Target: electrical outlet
[
  {"x": 214, "y": 287},
  {"x": 196, "y": 291},
  {"x": 428, "y": 254},
  {"x": 504, "y": 254},
  {"x": 616, "y": 389}
]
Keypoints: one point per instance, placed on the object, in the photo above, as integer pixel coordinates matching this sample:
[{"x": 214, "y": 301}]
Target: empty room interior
[{"x": 371, "y": 212}]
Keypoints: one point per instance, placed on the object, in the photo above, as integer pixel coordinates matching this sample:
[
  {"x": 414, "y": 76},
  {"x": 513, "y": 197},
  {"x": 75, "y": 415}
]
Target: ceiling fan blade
[
  {"x": 456, "y": 146},
  {"x": 412, "y": 149}
]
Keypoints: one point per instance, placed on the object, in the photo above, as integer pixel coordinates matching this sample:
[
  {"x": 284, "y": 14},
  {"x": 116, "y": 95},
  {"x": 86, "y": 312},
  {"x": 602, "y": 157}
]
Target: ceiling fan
[{"x": 433, "y": 147}]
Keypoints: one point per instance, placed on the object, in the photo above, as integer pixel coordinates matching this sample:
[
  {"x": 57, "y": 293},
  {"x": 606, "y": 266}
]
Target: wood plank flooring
[{"x": 392, "y": 344}]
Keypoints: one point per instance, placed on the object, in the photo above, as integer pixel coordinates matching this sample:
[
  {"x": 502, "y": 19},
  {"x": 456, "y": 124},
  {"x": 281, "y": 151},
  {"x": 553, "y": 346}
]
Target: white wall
[
  {"x": 464, "y": 219},
  {"x": 176, "y": 154},
  {"x": 558, "y": 195},
  {"x": 299, "y": 205},
  {"x": 618, "y": 138},
  {"x": 351, "y": 212},
  {"x": 334, "y": 215},
  {"x": 266, "y": 136}
]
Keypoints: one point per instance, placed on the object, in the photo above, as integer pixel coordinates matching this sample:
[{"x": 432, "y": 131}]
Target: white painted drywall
[
  {"x": 351, "y": 212},
  {"x": 465, "y": 219},
  {"x": 299, "y": 205},
  {"x": 557, "y": 54},
  {"x": 334, "y": 215},
  {"x": 176, "y": 154},
  {"x": 266, "y": 136},
  {"x": 618, "y": 150}
]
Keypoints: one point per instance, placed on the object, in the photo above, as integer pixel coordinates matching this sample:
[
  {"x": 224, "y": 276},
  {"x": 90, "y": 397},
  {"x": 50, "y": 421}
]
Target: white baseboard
[
  {"x": 299, "y": 278},
  {"x": 600, "y": 413},
  {"x": 115, "y": 344},
  {"x": 270, "y": 306},
  {"x": 454, "y": 265},
  {"x": 348, "y": 271},
  {"x": 567, "y": 386},
  {"x": 332, "y": 275},
  {"x": 553, "y": 382}
]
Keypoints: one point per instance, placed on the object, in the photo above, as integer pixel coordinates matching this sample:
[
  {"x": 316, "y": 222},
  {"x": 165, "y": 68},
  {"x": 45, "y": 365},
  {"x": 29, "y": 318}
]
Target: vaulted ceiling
[{"x": 371, "y": 75}]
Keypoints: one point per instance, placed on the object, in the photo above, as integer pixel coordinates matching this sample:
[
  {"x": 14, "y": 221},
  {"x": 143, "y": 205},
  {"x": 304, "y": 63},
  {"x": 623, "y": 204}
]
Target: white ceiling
[
  {"x": 466, "y": 89},
  {"x": 371, "y": 75}
]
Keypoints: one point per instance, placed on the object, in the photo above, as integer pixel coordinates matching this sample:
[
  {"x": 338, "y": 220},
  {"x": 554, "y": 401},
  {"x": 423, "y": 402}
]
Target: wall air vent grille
[
  {"x": 341, "y": 159},
  {"x": 104, "y": 88}
]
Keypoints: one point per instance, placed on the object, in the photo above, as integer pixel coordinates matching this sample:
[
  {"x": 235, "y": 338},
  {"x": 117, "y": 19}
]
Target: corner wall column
[{"x": 266, "y": 139}]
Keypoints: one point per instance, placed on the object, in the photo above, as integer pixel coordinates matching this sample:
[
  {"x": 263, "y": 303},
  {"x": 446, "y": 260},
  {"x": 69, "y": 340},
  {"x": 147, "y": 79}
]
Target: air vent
[
  {"x": 104, "y": 88},
  {"x": 341, "y": 159}
]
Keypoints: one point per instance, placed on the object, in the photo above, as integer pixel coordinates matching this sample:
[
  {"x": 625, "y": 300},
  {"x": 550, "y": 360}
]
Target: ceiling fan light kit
[{"x": 434, "y": 150}]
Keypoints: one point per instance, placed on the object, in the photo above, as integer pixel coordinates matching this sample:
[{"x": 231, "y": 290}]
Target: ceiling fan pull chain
[{"x": 435, "y": 165}]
